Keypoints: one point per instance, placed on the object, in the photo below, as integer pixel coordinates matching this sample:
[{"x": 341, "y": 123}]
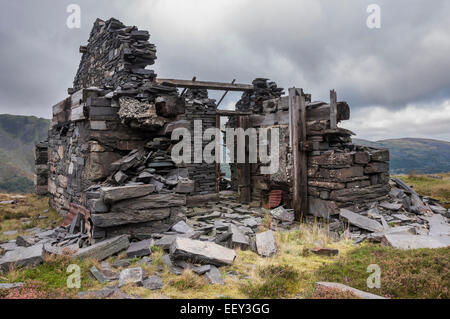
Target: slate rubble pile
[
  {"x": 253, "y": 100},
  {"x": 403, "y": 219}
]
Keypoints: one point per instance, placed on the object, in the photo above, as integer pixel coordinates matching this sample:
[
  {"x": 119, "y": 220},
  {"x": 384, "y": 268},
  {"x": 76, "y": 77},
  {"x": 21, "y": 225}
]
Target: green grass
[
  {"x": 420, "y": 273},
  {"x": 432, "y": 187}
]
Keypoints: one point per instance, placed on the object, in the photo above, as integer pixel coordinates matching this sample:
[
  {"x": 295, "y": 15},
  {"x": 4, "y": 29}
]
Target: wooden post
[
  {"x": 218, "y": 158},
  {"x": 243, "y": 169},
  {"x": 333, "y": 110},
  {"x": 299, "y": 154}
]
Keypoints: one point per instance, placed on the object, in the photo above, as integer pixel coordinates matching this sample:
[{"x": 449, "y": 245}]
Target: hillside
[
  {"x": 415, "y": 155},
  {"x": 18, "y": 135}
]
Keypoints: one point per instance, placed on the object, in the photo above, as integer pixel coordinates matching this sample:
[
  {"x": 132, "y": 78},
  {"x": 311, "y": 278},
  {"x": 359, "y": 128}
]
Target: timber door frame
[{"x": 297, "y": 133}]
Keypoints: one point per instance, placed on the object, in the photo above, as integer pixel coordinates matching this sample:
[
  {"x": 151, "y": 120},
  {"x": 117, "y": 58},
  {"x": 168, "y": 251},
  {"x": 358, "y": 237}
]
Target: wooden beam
[
  {"x": 185, "y": 89},
  {"x": 243, "y": 169},
  {"x": 220, "y": 86},
  {"x": 232, "y": 113},
  {"x": 312, "y": 114}
]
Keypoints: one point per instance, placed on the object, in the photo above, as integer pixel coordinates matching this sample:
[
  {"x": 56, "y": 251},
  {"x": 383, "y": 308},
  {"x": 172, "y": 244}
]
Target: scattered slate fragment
[
  {"x": 153, "y": 283},
  {"x": 11, "y": 286},
  {"x": 131, "y": 276},
  {"x": 182, "y": 228},
  {"x": 265, "y": 244},
  {"x": 174, "y": 269},
  {"x": 23, "y": 256},
  {"x": 202, "y": 252},
  {"x": 358, "y": 293},
  {"x": 201, "y": 270},
  {"x": 361, "y": 221},
  {"x": 98, "y": 275},
  {"x": 213, "y": 276},
  {"x": 139, "y": 249}
]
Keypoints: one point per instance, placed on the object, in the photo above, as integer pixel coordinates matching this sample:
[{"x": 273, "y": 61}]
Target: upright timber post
[
  {"x": 297, "y": 105},
  {"x": 243, "y": 169},
  {"x": 333, "y": 110}
]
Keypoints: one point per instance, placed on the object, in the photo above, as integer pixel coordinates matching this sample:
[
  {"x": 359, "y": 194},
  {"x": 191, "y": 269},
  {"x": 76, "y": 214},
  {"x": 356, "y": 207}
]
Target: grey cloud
[{"x": 314, "y": 44}]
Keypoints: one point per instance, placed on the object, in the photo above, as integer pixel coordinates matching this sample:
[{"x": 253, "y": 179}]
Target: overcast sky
[{"x": 396, "y": 79}]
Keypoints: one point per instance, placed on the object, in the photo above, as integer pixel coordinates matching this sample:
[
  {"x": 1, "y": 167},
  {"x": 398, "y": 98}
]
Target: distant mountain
[
  {"x": 415, "y": 155},
  {"x": 18, "y": 136}
]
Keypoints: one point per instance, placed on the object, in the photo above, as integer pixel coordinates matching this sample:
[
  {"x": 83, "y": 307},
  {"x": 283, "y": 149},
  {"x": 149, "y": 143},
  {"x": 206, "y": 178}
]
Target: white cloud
[{"x": 415, "y": 120}]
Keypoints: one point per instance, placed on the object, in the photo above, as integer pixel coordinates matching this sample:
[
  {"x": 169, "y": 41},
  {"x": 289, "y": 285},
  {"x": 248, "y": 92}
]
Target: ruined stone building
[{"x": 109, "y": 144}]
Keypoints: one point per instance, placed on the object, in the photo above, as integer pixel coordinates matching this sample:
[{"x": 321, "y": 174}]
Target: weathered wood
[
  {"x": 312, "y": 114},
  {"x": 232, "y": 113},
  {"x": 129, "y": 217},
  {"x": 300, "y": 159},
  {"x": 243, "y": 169},
  {"x": 333, "y": 110},
  {"x": 104, "y": 249},
  {"x": 207, "y": 85}
]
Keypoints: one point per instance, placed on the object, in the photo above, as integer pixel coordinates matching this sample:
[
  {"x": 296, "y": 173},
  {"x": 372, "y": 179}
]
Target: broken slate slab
[
  {"x": 438, "y": 226},
  {"x": 174, "y": 269},
  {"x": 182, "y": 228},
  {"x": 24, "y": 241},
  {"x": 114, "y": 194},
  {"x": 405, "y": 242},
  {"x": 213, "y": 276},
  {"x": 22, "y": 257},
  {"x": 98, "y": 275},
  {"x": 265, "y": 244},
  {"x": 139, "y": 249},
  {"x": 391, "y": 206},
  {"x": 104, "y": 249},
  {"x": 238, "y": 239},
  {"x": 282, "y": 214},
  {"x": 11, "y": 286},
  {"x": 201, "y": 270},
  {"x": 213, "y": 215},
  {"x": 361, "y": 221},
  {"x": 131, "y": 276},
  {"x": 165, "y": 241},
  {"x": 202, "y": 252},
  {"x": 153, "y": 283},
  {"x": 359, "y": 293},
  {"x": 10, "y": 233}
]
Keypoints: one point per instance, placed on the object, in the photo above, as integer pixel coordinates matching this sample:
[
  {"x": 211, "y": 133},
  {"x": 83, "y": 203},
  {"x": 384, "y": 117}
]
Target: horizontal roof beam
[{"x": 219, "y": 86}]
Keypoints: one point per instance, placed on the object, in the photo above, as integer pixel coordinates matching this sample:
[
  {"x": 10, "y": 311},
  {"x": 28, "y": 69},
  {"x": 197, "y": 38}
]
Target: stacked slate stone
[
  {"x": 200, "y": 108},
  {"x": 41, "y": 165},
  {"x": 264, "y": 90},
  {"x": 346, "y": 175}
]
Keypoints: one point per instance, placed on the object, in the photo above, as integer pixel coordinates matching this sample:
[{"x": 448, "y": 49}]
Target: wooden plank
[
  {"x": 300, "y": 159},
  {"x": 232, "y": 113},
  {"x": 333, "y": 110},
  {"x": 312, "y": 114},
  {"x": 243, "y": 169},
  {"x": 218, "y": 162},
  {"x": 220, "y": 86}
]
